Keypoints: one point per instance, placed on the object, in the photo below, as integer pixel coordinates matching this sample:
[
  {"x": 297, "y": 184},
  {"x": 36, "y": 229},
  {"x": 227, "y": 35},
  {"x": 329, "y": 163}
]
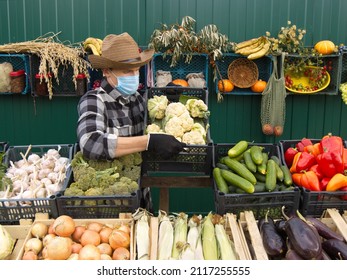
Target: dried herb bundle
[{"x": 52, "y": 53}]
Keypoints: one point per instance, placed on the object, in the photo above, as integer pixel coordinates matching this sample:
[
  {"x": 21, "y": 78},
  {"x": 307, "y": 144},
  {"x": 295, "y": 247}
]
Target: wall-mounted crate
[
  {"x": 18, "y": 62},
  {"x": 343, "y": 52},
  {"x": 258, "y": 202},
  {"x": 65, "y": 87},
  {"x": 12, "y": 210},
  {"x": 264, "y": 65},
  {"x": 195, "y": 159},
  {"x": 198, "y": 63},
  {"x": 334, "y": 63}
]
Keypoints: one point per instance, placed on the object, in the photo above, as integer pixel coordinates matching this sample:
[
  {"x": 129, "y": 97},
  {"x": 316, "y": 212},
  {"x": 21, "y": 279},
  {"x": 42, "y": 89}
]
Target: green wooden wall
[{"x": 25, "y": 120}]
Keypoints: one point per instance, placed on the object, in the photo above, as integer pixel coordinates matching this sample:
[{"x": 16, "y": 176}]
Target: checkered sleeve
[{"x": 94, "y": 141}]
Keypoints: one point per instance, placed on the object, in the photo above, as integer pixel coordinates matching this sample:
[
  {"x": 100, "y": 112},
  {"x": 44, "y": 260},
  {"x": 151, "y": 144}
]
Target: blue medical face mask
[{"x": 127, "y": 85}]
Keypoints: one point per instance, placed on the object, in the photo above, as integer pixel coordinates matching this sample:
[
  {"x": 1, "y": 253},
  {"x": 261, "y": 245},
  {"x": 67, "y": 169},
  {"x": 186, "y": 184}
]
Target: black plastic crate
[
  {"x": 19, "y": 62},
  {"x": 264, "y": 65},
  {"x": 198, "y": 63},
  {"x": 343, "y": 51},
  {"x": 87, "y": 207},
  {"x": 195, "y": 159},
  {"x": 12, "y": 210},
  {"x": 335, "y": 73},
  {"x": 260, "y": 202},
  {"x": 315, "y": 203},
  {"x": 3, "y": 146}
]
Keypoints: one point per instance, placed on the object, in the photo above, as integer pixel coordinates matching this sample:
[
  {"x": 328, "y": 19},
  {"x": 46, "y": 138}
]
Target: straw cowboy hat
[{"x": 120, "y": 52}]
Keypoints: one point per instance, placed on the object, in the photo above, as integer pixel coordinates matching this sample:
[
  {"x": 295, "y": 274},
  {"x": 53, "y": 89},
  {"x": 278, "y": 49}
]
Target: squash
[
  {"x": 180, "y": 82},
  {"x": 225, "y": 85},
  {"x": 325, "y": 47},
  {"x": 259, "y": 86}
]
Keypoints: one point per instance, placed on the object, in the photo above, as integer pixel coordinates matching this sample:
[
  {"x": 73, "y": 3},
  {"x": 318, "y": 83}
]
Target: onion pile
[
  {"x": 63, "y": 239},
  {"x": 36, "y": 176}
]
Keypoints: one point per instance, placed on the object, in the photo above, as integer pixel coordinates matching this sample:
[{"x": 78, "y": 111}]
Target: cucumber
[
  {"x": 238, "y": 149},
  {"x": 222, "y": 166},
  {"x": 232, "y": 189},
  {"x": 220, "y": 182},
  {"x": 256, "y": 154},
  {"x": 287, "y": 176},
  {"x": 260, "y": 177},
  {"x": 240, "y": 169},
  {"x": 249, "y": 162},
  {"x": 279, "y": 173},
  {"x": 271, "y": 177},
  {"x": 261, "y": 168},
  {"x": 237, "y": 180}
]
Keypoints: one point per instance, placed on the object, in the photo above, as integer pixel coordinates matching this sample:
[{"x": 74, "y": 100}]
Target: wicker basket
[{"x": 243, "y": 73}]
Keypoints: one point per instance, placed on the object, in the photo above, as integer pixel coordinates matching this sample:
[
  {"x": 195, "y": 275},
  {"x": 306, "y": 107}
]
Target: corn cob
[
  {"x": 165, "y": 240},
  {"x": 141, "y": 216},
  {"x": 225, "y": 245},
  {"x": 209, "y": 241},
  {"x": 180, "y": 234}
]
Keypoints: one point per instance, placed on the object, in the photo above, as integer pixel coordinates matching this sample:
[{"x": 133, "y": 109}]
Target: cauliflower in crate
[{"x": 186, "y": 122}]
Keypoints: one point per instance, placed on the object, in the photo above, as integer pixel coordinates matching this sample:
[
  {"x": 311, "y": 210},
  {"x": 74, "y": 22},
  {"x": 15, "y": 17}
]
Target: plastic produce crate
[
  {"x": 260, "y": 202},
  {"x": 195, "y": 159},
  {"x": 264, "y": 65},
  {"x": 87, "y": 207},
  {"x": 335, "y": 73},
  {"x": 343, "y": 52},
  {"x": 198, "y": 63},
  {"x": 19, "y": 62},
  {"x": 12, "y": 210},
  {"x": 65, "y": 86},
  {"x": 3, "y": 146}
]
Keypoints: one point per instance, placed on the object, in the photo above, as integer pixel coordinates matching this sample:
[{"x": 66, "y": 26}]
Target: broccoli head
[
  {"x": 133, "y": 172},
  {"x": 74, "y": 190}
]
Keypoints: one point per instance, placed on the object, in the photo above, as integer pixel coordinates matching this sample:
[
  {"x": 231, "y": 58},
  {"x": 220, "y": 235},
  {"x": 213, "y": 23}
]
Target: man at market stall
[{"x": 111, "y": 117}]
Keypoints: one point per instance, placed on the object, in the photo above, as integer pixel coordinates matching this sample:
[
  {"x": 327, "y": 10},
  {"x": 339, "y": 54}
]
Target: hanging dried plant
[{"x": 53, "y": 54}]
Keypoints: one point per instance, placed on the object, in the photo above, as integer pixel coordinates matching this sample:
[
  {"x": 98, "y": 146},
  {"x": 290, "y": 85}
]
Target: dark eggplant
[
  {"x": 324, "y": 256},
  {"x": 303, "y": 237},
  {"x": 323, "y": 230},
  {"x": 279, "y": 224},
  {"x": 292, "y": 255},
  {"x": 273, "y": 242},
  {"x": 336, "y": 249}
]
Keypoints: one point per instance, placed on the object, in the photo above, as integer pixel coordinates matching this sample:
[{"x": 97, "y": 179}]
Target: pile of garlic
[{"x": 36, "y": 176}]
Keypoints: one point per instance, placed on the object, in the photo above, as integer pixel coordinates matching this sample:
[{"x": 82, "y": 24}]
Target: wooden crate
[
  {"x": 253, "y": 240},
  {"x": 19, "y": 234},
  {"x": 124, "y": 218},
  {"x": 335, "y": 221}
]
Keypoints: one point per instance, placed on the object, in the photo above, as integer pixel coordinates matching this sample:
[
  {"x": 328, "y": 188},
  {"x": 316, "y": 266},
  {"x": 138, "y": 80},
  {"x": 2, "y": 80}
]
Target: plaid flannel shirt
[{"x": 103, "y": 115}]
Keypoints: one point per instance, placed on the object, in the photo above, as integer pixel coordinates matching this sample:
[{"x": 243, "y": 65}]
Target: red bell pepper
[
  {"x": 330, "y": 163},
  {"x": 344, "y": 158},
  {"x": 306, "y": 141},
  {"x": 344, "y": 197},
  {"x": 331, "y": 143},
  {"x": 289, "y": 156},
  {"x": 315, "y": 168},
  {"x": 323, "y": 183},
  {"x": 306, "y": 160},
  {"x": 300, "y": 146}
]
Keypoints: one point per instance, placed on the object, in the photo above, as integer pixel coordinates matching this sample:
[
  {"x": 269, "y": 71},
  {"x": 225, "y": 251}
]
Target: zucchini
[
  {"x": 240, "y": 169},
  {"x": 220, "y": 182},
  {"x": 249, "y": 162},
  {"x": 256, "y": 154},
  {"x": 238, "y": 149},
  {"x": 261, "y": 168},
  {"x": 287, "y": 176},
  {"x": 237, "y": 181},
  {"x": 271, "y": 177}
]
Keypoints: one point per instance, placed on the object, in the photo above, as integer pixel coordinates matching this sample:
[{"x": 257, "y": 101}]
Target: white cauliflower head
[
  {"x": 175, "y": 109},
  {"x": 157, "y": 106},
  {"x": 187, "y": 121},
  {"x": 197, "y": 108},
  {"x": 193, "y": 137},
  {"x": 174, "y": 127},
  {"x": 153, "y": 128}
]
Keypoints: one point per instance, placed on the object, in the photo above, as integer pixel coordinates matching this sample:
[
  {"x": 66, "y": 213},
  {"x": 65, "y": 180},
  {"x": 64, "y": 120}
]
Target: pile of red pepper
[{"x": 318, "y": 166}]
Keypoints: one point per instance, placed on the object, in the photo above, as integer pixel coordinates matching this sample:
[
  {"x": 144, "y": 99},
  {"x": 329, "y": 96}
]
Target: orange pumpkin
[
  {"x": 225, "y": 85},
  {"x": 259, "y": 86},
  {"x": 180, "y": 82},
  {"x": 325, "y": 47}
]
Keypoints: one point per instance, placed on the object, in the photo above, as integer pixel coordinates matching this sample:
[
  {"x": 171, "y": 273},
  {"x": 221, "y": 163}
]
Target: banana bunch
[
  {"x": 93, "y": 44},
  {"x": 254, "y": 48}
]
